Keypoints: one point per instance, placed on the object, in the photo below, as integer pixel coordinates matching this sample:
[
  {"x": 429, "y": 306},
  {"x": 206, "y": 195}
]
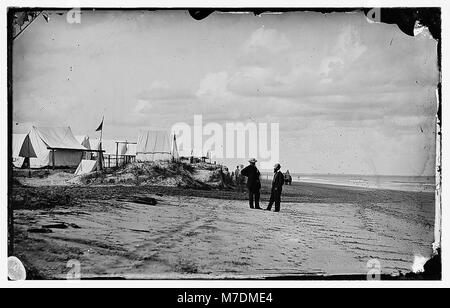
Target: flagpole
[
  {"x": 29, "y": 158},
  {"x": 101, "y": 131},
  {"x": 100, "y": 154}
]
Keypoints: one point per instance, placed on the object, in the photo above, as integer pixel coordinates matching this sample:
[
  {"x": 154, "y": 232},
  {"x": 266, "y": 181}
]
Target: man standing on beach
[
  {"x": 277, "y": 184},
  {"x": 237, "y": 178},
  {"x": 253, "y": 183}
]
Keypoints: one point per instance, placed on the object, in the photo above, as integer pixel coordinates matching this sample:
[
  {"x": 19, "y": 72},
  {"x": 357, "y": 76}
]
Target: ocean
[{"x": 403, "y": 183}]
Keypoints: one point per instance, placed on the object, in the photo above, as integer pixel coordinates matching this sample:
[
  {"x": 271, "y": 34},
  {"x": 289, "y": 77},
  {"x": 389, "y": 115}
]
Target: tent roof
[
  {"x": 58, "y": 137},
  {"x": 153, "y": 141}
]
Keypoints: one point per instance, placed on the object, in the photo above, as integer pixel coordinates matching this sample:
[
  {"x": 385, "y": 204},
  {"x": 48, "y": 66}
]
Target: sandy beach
[{"x": 192, "y": 233}]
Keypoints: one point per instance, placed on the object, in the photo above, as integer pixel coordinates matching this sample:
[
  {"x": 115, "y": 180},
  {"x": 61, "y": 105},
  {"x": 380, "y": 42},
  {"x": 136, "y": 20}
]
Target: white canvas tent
[
  {"x": 86, "y": 166},
  {"x": 59, "y": 141},
  {"x": 22, "y": 148},
  {"x": 17, "y": 142},
  {"x": 84, "y": 141},
  {"x": 153, "y": 145}
]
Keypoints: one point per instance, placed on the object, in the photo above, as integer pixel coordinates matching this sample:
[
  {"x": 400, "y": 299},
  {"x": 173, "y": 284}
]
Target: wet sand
[{"x": 321, "y": 230}]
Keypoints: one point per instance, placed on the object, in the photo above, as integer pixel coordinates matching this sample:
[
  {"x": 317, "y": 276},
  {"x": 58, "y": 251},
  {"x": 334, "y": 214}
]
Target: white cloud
[
  {"x": 214, "y": 85},
  {"x": 158, "y": 85},
  {"x": 142, "y": 106},
  {"x": 269, "y": 39}
]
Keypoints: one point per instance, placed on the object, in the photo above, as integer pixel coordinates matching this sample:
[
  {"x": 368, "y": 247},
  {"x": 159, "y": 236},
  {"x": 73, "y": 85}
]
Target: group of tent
[{"x": 58, "y": 147}]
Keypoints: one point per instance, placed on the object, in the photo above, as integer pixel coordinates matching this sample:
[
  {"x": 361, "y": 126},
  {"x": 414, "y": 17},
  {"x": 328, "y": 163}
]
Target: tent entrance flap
[
  {"x": 27, "y": 148},
  {"x": 86, "y": 166}
]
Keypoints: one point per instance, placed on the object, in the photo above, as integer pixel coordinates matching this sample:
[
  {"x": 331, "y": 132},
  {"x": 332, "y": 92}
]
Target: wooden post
[
  {"x": 100, "y": 160},
  {"x": 109, "y": 161},
  {"x": 28, "y": 159},
  {"x": 53, "y": 159},
  {"x": 117, "y": 154}
]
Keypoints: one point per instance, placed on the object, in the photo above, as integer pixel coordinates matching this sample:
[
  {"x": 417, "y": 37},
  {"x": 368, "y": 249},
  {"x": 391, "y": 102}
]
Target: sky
[{"x": 350, "y": 96}]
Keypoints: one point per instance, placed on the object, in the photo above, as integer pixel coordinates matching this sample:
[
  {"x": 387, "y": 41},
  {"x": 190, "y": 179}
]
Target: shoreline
[
  {"x": 40, "y": 176},
  {"x": 349, "y": 186},
  {"x": 297, "y": 189}
]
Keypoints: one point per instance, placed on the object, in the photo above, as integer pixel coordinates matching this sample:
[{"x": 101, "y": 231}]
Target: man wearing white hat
[{"x": 253, "y": 183}]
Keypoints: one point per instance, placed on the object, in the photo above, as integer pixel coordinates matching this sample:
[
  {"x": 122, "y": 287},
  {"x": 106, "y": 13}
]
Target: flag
[
  {"x": 175, "y": 154},
  {"x": 45, "y": 17},
  {"x": 100, "y": 127}
]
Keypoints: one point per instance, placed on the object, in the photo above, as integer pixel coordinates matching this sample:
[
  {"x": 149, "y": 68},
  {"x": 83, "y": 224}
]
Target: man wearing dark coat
[
  {"x": 253, "y": 183},
  {"x": 277, "y": 185}
]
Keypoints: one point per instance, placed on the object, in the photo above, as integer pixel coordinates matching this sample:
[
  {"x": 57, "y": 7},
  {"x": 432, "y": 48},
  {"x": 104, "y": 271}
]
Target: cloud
[
  {"x": 142, "y": 106},
  {"x": 214, "y": 85},
  {"x": 356, "y": 80},
  {"x": 347, "y": 49},
  {"x": 266, "y": 39},
  {"x": 162, "y": 90}
]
